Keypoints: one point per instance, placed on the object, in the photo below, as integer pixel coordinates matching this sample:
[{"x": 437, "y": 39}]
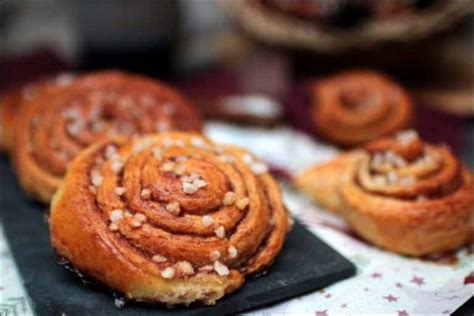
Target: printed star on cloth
[
  {"x": 403, "y": 313},
  {"x": 469, "y": 279},
  {"x": 376, "y": 275},
  {"x": 322, "y": 313},
  {"x": 417, "y": 280},
  {"x": 391, "y": 298}
]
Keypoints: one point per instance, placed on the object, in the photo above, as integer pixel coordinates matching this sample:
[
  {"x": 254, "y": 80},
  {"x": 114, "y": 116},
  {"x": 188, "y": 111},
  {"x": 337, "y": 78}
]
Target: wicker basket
[{"x": 280, "y": 29}]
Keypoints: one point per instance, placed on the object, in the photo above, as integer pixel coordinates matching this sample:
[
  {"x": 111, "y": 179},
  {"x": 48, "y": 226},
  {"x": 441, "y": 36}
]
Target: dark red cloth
[
  {"x": 17, "y": 71},
  {"x": 212, "y": 83},
  {"x": 432, "y": 124}
]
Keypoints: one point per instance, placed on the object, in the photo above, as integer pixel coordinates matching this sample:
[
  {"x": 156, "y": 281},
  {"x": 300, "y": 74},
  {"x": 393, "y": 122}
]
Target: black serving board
[{"x": 305, "y": 264}]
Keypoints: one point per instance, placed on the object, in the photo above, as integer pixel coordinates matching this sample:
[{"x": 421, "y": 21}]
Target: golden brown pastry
[
  {"x": 62, "y": 120},
  {"x": 399, "y": 193},
  {"x": 169, "y": 218},
  {"x": 9, "y": 105},
  {"x": 356, "y": 107},
  {"x": 12, "y": 102}
]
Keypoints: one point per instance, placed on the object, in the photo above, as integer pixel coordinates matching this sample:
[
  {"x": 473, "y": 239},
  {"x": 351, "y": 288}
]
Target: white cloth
[{"x": 385, "y": 283}]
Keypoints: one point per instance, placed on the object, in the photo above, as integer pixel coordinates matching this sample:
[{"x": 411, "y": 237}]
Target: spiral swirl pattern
[
  {"x": 356, "y": 107},
  {"x": 12, "y": 103},
  {"x": 406, "y": 168},
  {"x": 173, "y": 206},
  {"x": 62, "y": 119},
  {"x": 399, "y": 193}
]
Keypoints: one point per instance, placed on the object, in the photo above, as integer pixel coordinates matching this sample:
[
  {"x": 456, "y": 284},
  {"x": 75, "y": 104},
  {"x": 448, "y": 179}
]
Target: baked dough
[
  {"x": 169, "y": 218},
  {"x": 355, "y": 107},
  {"x": 62, "y": 119},
  {"x": 400, "y": 193}
]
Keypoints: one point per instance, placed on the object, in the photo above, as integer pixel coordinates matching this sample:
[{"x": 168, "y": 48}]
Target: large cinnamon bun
[
  {"x": 61, "y": 120},
  {"x": 356, "y": 107},
  {"x": 399, "y": 193},
  {"x": 169, "y": 218}
]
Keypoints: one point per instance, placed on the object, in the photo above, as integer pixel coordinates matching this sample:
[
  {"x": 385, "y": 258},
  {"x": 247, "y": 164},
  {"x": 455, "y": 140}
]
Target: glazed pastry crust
[
  {"x": 122, "y": 257},
  {"x": 9, "y": 105},
  {"x": 13, "y": 102},
  {"x": 322, "y": 182},
  {"x": 79, "y": 234},
  {"x": 62, "y": 119},
  {"x": 423, "y": 206},
  {"x": 413, "y": 228},
  {"x": 356, "y": 107}
]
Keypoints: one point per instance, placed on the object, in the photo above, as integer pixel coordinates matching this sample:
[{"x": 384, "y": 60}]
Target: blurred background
[{"x": 217, "y": 48}]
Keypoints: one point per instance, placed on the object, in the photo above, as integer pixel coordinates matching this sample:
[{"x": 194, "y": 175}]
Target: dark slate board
[{"x": 305, "y": 264}]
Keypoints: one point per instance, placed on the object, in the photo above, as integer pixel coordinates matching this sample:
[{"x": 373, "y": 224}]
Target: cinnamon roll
[
  {"x": 168, "y": 218},
  {"x": 400, "y": 193},
  {"x": 9, "y": 106},
  {"x": 12, "y": 102},
  {"x": 355, "y": 107},
  {"x": 63, "y": 119}
]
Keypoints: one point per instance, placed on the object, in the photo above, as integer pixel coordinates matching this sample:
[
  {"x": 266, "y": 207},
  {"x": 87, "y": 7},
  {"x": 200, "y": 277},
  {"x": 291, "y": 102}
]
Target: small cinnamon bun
[
  {"x": 13, "y": 101},
  {"x": 61, "y": 120},
  {"x": 356, "y": 107},
  {"x": 399, "y": 193}
]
